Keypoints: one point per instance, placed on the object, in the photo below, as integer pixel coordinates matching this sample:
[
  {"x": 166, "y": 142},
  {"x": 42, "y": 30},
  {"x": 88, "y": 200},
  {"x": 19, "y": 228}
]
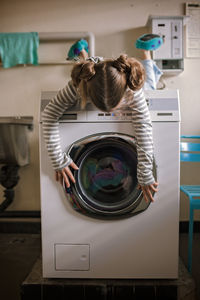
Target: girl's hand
[
  {"x": 148, "y": 190},
  {"x": 66, "y": 174}
]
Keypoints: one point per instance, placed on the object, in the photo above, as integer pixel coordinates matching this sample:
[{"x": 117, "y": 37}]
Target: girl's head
[{"x": 105, "y": 83}]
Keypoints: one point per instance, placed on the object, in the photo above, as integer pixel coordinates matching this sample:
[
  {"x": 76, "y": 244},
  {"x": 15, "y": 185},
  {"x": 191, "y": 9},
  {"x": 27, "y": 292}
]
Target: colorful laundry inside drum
[{"x": 106, "y": 173}]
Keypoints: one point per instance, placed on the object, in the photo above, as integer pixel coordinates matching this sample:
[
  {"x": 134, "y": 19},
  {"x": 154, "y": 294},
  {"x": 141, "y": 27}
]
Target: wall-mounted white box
[{"x": 169, "y": 57}]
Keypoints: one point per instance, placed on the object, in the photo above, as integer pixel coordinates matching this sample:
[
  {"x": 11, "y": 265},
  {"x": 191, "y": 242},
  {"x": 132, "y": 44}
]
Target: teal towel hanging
[{"x": 19, "y": 48}]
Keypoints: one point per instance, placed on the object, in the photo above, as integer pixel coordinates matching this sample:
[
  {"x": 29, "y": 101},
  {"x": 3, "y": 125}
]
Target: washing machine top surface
[{"x": 163, "y": 106}]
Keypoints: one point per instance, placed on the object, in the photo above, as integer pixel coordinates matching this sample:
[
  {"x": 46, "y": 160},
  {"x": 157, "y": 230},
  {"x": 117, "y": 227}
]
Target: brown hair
[{"x": 105, "y": 83}]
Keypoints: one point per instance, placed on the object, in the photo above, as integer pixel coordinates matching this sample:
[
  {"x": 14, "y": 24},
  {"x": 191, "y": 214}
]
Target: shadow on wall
[{"x": 116, "y": 43}]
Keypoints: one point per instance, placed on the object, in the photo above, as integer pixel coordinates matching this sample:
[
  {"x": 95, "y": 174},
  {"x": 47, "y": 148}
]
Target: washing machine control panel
[
  {"x": 163, "y": 106},
  {"x": 117, "y": 115}
]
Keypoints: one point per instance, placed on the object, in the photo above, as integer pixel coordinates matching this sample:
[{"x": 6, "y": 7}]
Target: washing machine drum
[{"x": 106, "y": 182}]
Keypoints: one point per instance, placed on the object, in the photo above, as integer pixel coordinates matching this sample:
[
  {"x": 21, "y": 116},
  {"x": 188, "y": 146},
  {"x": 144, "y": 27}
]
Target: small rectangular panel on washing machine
[{"x": 72, "y": 257}]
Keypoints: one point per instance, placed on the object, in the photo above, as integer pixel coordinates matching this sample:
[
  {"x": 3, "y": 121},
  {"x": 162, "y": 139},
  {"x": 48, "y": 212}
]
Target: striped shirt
[{"x": 142, "y": 127}]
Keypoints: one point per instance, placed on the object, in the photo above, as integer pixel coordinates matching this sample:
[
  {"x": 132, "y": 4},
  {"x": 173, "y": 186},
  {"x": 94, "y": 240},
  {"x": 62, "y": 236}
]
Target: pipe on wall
[{"x": 69, "y": 36}]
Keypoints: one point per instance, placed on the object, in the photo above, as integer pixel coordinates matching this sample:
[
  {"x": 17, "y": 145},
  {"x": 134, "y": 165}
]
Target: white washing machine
[{"x": 102, "y": 227}]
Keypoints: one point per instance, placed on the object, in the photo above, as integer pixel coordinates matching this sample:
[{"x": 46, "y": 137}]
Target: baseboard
[
  {"x": 20, "y": 227},
  {"x": 184, "y": 226},
  {"x": 35, "y": 227}
]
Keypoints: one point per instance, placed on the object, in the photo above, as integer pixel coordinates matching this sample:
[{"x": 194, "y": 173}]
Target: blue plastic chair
[{"x": 190, "y": 152}]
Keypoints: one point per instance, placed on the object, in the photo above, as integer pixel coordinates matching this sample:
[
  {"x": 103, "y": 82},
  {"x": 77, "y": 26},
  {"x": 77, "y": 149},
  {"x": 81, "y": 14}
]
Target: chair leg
[{"x": 190, "y": 240}]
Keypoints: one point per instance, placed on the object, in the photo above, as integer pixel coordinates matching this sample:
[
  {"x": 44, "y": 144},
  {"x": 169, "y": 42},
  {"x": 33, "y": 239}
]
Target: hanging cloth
[{"x": 19, "y": 48}]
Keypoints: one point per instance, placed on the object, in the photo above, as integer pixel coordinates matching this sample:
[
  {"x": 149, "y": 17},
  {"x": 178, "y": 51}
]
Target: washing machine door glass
[{"x": 106, "y": 182}]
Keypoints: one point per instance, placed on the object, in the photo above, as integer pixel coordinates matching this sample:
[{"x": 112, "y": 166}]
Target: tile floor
[
  {"x": 18, "y": 252},
  {"x": 183, "y": 244}
]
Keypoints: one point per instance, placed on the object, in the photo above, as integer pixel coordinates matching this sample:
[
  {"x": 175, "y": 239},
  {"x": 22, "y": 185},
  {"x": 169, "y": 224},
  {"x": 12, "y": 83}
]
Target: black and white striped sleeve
[
  {"x": 144, "y": 138},
  {"x": 65, "y": 98}
]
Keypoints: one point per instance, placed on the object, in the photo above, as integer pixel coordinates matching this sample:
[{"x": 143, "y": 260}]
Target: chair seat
[{"x": 193, "y": 192}]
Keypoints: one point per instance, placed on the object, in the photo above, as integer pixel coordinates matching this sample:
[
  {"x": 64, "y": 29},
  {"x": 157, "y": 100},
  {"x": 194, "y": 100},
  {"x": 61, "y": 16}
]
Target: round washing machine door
[{"x": 106, "y": 182}]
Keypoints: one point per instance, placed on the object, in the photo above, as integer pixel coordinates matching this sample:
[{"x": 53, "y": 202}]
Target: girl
[{"x": 109, "y": 84}]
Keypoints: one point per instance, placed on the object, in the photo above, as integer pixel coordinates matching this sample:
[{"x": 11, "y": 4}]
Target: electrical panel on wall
[{"x": 169, "y": 57}]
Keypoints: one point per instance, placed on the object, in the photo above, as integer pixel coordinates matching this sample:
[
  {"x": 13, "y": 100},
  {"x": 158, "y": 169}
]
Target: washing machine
[{"x": 101, "y": 227}]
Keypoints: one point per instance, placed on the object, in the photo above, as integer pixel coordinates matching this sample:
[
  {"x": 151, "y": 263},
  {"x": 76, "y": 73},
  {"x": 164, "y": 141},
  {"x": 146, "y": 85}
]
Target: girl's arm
[
  {"x": 144, "y": 143},
  {"x": 65, "y": 98}
]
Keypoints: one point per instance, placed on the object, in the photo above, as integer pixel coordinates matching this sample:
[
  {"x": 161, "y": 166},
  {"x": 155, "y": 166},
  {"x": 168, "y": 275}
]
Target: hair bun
[
  {"x": 82, "y": 71},
  {"x": 87, "y": 70},
  {"x": 122, "y": 64},
  {"x": 133, "y": 69}
]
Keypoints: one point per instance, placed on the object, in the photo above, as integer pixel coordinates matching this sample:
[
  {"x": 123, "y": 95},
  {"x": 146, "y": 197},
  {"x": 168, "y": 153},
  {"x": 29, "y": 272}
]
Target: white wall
[{"x": 116, "y": 24}]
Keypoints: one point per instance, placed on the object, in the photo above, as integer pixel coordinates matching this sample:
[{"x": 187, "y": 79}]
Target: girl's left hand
[
  {"x": 66, "y": 174},
  {"x": 148, "y": 190}
]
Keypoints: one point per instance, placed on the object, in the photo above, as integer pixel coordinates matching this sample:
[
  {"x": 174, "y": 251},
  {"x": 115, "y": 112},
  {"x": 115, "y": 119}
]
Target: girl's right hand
[{"x": 66, "y": 174}]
